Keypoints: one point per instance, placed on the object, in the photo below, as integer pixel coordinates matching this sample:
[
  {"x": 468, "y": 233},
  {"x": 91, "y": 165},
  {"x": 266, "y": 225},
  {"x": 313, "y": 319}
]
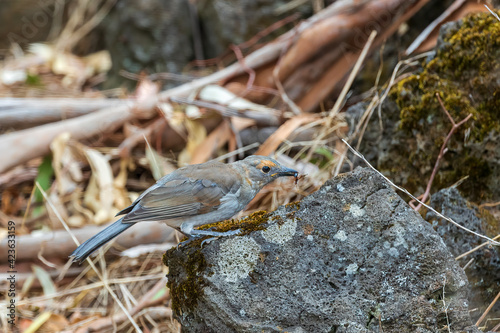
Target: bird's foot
[
  {"x": 208, "y": 240},
  {"x": 187, "y": 241},
  {"x": 195, "y": 234},
  {"x": 198, "y": 233}
]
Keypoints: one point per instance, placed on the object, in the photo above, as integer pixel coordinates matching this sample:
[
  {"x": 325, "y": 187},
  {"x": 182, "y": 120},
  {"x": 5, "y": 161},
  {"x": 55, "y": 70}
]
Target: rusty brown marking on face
[
  {"x": 264, "y": 163},
  {"x": 247, "y": 177}
]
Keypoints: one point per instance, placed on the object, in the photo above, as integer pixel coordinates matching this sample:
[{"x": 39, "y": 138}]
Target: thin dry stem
[
  {"x": 336, "y": 107},
  {"x": 442, "y": 151},
  {"x": 476, "y": 248},
  {"x": 493, "y": 13},
  {"x": 445, "y": 307},
  {"x": 468, "y": 264},
  {"x": 490, "y": 204},
  {"x": 98, "y": 273},
  {"x": 492, "y": 304},
  {"x": 291, "y": 104},
  {"x": 355, "y": 152}
]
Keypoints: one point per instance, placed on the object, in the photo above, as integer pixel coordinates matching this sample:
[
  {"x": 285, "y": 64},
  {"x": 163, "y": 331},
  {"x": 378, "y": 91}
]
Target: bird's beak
[{"x": 287, "y": 172}]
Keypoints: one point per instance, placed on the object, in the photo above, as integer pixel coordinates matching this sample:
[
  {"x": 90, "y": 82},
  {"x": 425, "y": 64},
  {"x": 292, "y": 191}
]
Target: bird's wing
[
  {"x": 177, "y": 198},
  {"x": 165, "y": 179}
]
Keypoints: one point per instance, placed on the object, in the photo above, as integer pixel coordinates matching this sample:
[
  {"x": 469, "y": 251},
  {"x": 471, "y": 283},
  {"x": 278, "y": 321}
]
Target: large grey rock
[
  {"x": 148, "y": 35},
  {"x": 483, "y": 272},
  {"x": 352, "y": 257},
  {"x": 226, "y": 22}
]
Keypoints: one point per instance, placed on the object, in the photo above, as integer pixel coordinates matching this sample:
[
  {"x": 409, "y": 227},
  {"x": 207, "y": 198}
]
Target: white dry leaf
[
  {"x": 176, "y": 123},
  {"x": 48, "y": 286},
  {"x": 76, "y": 70},
  {"x": 167, "y": 110},
  {"x": 98, "y": 62},
  {"x": 72, "y": 67},
  {"x": 220, "y": 95},
  {"x": 239, "y": 124},
  {"x": 76, "y": 206},
  {"x": 146, "y": 89},
  {"x": 154, "y": 162},
  {"x": 44, "y": 51},
  {"x": 66, "y": 167},
  {"x": 76, "y": 221},
  {"x": 193, "y": 112},
  {"x": 58, "y": 205},
  {"x": 119, "y": 183},
  {"x": 102, "y": 176},
  {"x": 197, "y": 133},
  {"x": 3, "y": 234},
  {"x": 159, "y": 165},
  {"x": 91, "y": 196},
  {"x": 10, "y": 77}
]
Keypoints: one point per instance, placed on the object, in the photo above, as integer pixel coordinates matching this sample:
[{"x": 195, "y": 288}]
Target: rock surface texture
[
  {"x": 352, "y": 257},
  {"x": 483, "y": 272}
]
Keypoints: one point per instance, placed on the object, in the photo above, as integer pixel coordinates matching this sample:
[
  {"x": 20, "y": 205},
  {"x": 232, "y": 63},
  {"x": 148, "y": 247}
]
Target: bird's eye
[{"x": 266, "y": 169}]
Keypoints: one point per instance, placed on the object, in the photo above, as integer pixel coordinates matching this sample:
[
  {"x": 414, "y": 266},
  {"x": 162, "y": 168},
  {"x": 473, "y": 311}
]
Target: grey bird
[{"x": 193, "y": 196}]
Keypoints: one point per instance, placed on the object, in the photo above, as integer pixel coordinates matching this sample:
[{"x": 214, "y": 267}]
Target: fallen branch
[
  {"x": 263, "y": 119},
  {"x": 312, "y": 39},
  {"x": 22, "y": 146},
  {"x": 135, "y": 138},
  {"x": 20, "y": 113},
  {"x": 60, "y": 244},
  {"x": 428, "y": 38}
]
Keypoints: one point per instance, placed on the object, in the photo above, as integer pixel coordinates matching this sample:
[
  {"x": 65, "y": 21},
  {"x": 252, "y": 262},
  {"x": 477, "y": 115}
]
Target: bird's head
[{"x": 261, "y": 170}]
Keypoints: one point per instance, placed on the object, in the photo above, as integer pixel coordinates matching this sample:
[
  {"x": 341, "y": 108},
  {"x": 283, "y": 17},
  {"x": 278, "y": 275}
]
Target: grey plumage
[
  {"x": 193, "y": 196},
  {"x": 104, "y": 236}
]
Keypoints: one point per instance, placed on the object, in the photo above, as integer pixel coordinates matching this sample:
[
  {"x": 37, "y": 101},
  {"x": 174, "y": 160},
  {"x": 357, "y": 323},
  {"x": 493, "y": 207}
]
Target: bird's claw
[
  {"x": 208, "y": 240},
  {"x": 215, "y": 235},
  {"x": 187, "y": 241}
]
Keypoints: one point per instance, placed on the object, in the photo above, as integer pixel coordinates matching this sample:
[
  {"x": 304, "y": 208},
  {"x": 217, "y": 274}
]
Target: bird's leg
[
  {"x": 193, "y": 234},
  {"x": 187, "y": 241},
  {"x": 188, "y": 230},
  {"x": 199, "y": 233}
]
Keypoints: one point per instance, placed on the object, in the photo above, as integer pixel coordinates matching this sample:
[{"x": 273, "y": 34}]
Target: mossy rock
[
  {"x": 190, "y": 276},
  {"x": 465, "y": 72}
]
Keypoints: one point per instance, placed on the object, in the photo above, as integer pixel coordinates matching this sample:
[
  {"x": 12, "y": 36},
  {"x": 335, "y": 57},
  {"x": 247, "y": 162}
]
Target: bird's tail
[{"x": 84, "y": 250}]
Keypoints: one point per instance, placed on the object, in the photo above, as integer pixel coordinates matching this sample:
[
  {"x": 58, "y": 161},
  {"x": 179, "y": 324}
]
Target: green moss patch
[
  {"x": 189, "y": 277},
  {"x": 465, "y": 73}
]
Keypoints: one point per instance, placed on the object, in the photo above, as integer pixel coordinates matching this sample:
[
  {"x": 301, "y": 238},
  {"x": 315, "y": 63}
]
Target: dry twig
[
  {"x": 488, "y": 309},
  {"x": 146, "y": 301},
  {"x": 98, "y": 273},
  {"x": 443, "y": 151},
  {"x": 476, "y": 248},
  {"x": 355, "y": 152}
]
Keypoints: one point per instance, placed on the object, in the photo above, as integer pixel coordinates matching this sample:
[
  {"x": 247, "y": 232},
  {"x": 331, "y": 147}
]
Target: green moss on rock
[
  {"x": 188, "y": 268},
  {"x": 189, "y": 279},
  {"x": 461, "y": 73},
  {"x": 190, "y": 276},
  {"x": 464, "y": 72}
]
